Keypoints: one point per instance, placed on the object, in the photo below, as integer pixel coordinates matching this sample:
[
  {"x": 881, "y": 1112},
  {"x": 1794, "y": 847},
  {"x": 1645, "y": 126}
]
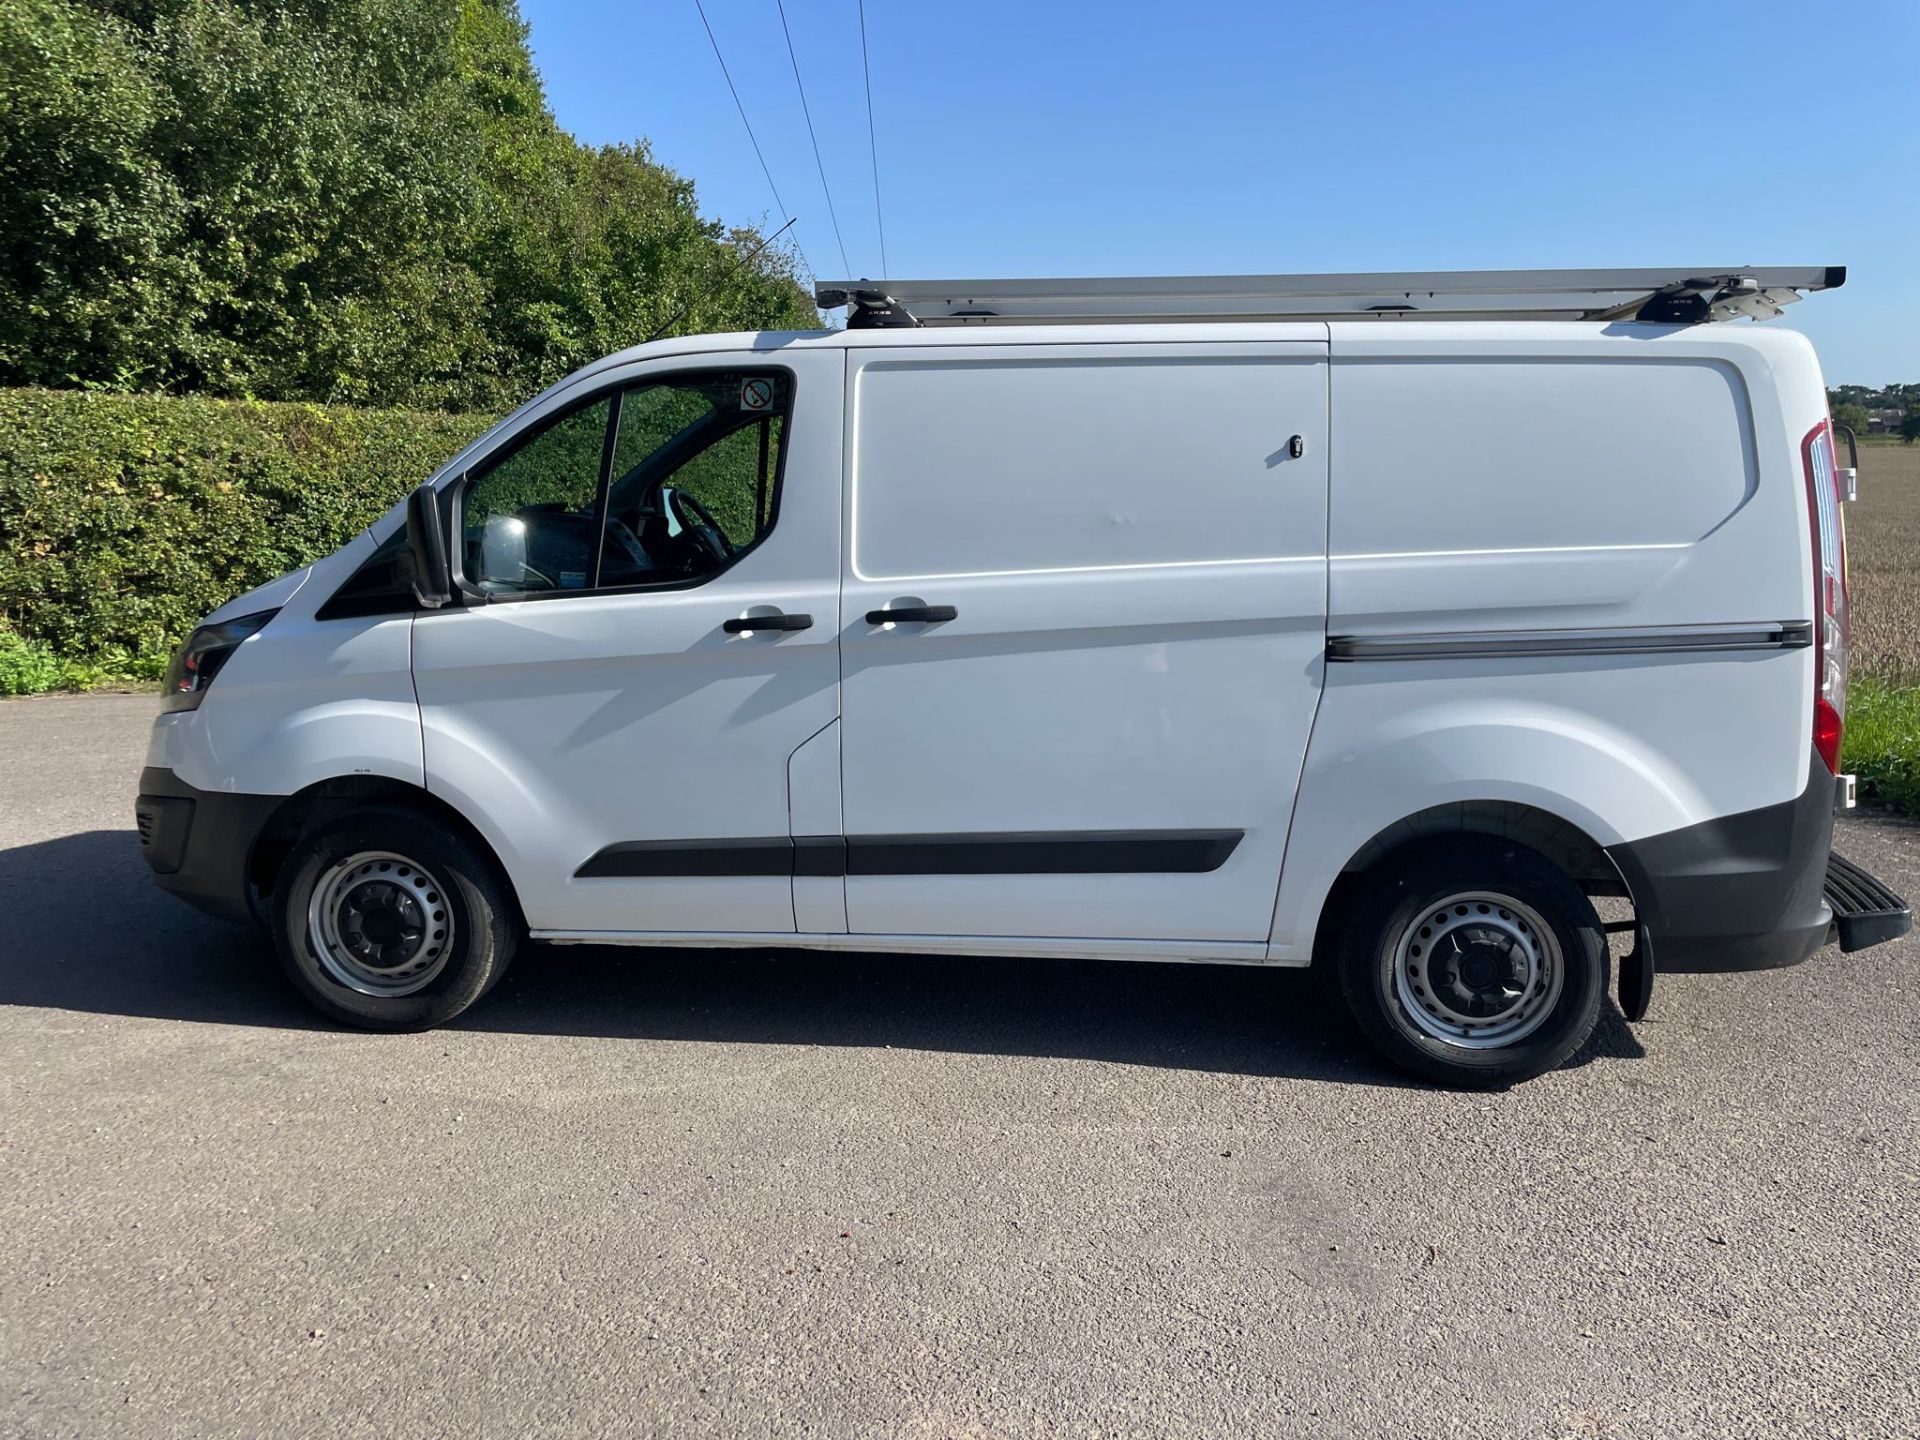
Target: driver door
[{"x": 620, "y": 743}]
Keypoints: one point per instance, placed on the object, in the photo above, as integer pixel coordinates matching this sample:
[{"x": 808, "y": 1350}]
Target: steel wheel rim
[
  {"x": 379, "y": 924},
  {"x": 1477, "y": 970}
]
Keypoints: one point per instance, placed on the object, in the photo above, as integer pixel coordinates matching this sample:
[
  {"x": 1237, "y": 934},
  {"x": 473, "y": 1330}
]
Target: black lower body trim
[
  {"x": 1046, "y": 852},
  {"x": 1742, "y": 892},
  {"x": 198, "y": 842},
  {"x": 640, "y": 859},
  {"x": 1072, "y": 852}
]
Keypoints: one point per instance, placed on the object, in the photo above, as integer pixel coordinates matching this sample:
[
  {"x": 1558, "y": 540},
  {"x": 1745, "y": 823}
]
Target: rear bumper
[
  {"x": 198, "y": 842},
  {"x": 1742, "y": 892}
]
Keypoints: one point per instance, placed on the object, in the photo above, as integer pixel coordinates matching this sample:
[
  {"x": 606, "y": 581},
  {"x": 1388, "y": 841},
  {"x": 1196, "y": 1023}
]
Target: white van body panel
[
  {"x": 305, "y": 700},
  {"x": 276, "y": 594},
  {"x": 1514, "y": 480},
  {"x": 1137, "y": 561},
  {"x": 1541, "y": 479},
  {"x": 813, "y": 812},
  {"x": 1620, "y": 747}
]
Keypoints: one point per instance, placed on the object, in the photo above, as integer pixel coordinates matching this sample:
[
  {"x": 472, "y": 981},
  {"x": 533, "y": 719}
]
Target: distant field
[
  {"x": 1883, "y": 547},
  {"x": 1883, "y": 702}
]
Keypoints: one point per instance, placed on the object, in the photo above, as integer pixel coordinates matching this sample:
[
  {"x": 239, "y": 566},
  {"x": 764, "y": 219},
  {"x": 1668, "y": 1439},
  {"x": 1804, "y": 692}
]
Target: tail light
[{"x": 1830, "y": 629}]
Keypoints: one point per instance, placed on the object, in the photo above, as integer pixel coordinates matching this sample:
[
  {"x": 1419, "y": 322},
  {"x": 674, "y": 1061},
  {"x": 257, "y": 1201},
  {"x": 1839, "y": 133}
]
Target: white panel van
[{"x": 1378, "y": 622}]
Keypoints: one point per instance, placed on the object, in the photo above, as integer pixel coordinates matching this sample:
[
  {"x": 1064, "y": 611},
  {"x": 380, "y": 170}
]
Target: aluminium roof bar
[{"x": 1677, "y": 295}]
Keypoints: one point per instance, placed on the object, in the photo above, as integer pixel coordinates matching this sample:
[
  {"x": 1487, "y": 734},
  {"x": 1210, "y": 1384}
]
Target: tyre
[
  {"x": 1477, "y": 964},
  {"x": 387, "y": 920}
]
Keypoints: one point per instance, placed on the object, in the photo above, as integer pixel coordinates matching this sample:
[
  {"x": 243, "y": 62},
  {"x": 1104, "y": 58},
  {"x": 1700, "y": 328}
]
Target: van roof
[
  {"x": 1676, "y": 295},
  {"x": 1415, "y": 330}
]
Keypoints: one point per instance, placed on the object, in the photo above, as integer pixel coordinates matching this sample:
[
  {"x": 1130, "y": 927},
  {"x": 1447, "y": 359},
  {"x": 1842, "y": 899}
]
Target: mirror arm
[{"x": 431, "y": 575}]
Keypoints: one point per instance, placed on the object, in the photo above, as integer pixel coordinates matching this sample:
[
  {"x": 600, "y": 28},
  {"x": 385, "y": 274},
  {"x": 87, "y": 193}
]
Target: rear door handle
[
  {"x": 911, "y": 613},
  {"x": 742, "y": 624}
]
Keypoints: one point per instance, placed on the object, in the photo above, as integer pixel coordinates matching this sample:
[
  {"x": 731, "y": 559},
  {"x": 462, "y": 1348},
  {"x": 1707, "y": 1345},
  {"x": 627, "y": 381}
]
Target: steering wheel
[{"x": 711, "y": 537}]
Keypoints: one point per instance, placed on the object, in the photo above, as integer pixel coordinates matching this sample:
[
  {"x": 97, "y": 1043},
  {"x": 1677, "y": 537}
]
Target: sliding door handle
[
  {"x": 913, "y": 613},
  {"x": 744, "y": 624}
]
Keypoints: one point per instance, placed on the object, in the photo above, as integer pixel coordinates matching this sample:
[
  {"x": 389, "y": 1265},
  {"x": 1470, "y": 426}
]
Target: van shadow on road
[{"x": 83, "y": 928}]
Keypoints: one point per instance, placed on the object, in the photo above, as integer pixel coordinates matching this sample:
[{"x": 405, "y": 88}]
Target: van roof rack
[{"x": 1678, "y": 296}]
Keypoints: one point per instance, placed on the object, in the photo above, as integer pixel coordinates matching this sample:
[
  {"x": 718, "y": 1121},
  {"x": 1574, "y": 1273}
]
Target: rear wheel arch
[
  {"x": 1553, "y": 837},
  {"x": 1471, "y": 959}
]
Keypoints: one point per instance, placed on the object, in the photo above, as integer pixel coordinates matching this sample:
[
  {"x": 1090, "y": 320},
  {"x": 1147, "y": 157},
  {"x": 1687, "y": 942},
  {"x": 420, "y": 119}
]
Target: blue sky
[{"x": 1206, "y": 137}]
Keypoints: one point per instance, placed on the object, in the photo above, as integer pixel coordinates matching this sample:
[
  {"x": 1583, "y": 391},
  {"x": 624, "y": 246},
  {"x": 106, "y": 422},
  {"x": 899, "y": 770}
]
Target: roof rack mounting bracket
[
  {"x": 1675, "y": 307},
  {"x": 869, "y": 309}
]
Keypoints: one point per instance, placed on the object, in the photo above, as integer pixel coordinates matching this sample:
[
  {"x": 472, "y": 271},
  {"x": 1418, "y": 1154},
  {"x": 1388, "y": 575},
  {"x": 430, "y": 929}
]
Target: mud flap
[{"x": 1636, "y": 976}]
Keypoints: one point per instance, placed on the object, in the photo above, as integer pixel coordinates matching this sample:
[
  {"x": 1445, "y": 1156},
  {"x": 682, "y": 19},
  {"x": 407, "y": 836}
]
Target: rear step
[{"x": 1865, "y": 912}]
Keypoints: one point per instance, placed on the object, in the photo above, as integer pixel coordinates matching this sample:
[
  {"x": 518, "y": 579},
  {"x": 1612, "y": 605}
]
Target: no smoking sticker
[{"x": 756, "y": 394}]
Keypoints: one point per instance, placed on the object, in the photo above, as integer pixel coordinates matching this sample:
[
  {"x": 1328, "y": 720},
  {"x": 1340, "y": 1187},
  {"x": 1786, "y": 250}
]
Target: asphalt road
[{"x": 694, "y": 1193}]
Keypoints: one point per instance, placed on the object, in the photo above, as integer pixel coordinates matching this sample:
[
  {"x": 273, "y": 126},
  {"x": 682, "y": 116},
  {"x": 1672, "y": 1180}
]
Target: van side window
[
  {"x": 529, "y": 516},
  {"x": 663, "y": 483}
]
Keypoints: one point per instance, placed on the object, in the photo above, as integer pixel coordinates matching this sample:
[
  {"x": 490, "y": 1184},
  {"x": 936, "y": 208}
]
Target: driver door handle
[
  {"x": 925, "y": 613},
  {"x": 742, "y": 624}
]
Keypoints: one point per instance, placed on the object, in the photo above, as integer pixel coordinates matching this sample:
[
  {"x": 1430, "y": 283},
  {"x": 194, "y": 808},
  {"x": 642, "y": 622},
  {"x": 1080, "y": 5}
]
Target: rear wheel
[
  {"x": 1479, "y": 964},
  {"x": 386, "y": 920}
]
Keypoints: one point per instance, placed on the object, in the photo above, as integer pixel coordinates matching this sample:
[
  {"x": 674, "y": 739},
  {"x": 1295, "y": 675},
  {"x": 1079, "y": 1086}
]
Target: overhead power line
[
  {"x": 754, "y": 140},
  {"x": 825, "y": 188},
  {"x": 873, "y": 145}
]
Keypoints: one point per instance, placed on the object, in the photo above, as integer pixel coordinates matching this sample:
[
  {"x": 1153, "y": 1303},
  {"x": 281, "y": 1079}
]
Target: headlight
[{"x": 195, "y": 663}]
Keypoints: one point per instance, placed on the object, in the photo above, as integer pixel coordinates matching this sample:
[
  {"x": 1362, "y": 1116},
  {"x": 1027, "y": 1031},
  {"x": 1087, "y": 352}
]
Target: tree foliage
[
  {"x": 1854, "y": 417},
  {"x": 1887, "y": 397},
  {"x": 336, "y": 200}
]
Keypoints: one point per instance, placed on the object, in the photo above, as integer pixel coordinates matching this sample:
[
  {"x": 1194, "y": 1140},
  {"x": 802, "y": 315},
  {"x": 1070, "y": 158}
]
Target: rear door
[{"x": 1084, "y": 626}]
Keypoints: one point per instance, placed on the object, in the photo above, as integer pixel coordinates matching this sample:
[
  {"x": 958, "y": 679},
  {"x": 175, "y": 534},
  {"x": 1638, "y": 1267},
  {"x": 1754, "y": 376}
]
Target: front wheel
[
  {"x": 387, "y": 921},
  {"x": 1479, "y": 964}
]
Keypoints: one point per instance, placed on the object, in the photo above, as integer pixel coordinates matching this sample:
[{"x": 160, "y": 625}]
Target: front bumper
[
  {"x": 1754, "y": 891},
  {"x": 199, "y": 843}
]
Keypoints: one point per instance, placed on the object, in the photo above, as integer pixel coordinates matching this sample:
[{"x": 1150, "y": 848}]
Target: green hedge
[{"x": 125, "y": 518}]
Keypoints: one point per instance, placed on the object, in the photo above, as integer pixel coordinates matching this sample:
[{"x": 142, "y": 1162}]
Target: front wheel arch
[
  {"x": 386, "y": 919},
  {"x": 328, "y": 800}
]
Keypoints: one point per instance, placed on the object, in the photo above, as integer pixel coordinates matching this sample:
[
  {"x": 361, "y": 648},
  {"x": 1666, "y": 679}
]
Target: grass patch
[
  {"x": 29, "y": 668},
  {"x": 1882, "y": 742}
]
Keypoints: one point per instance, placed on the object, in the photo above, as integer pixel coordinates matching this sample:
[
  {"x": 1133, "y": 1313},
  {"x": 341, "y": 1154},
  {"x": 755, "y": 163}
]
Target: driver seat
[{"x": 677, "y": 554}]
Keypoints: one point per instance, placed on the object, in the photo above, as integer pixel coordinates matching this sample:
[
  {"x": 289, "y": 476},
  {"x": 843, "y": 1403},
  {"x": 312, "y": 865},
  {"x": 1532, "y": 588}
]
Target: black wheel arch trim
[{"x": 231, "y": 846}]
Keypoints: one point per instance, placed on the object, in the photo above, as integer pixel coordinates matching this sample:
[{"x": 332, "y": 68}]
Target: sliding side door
[{"x": 1083, "y": 629}]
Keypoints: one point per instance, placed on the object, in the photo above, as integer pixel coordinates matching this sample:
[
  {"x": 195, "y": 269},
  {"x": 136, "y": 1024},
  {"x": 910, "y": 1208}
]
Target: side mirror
[{"x": 427, "y": 549}]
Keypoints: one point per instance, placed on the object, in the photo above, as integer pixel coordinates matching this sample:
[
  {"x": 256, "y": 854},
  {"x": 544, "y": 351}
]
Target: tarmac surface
[{"x": 689, "y": 1193}]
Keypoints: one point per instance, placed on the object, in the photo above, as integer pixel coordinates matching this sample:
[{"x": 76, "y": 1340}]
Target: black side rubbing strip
[
  {"x": 819, "y": 855},
  {"x": 1067, "y": 852},
  {"x": 1042, "y": 852},
  {"x": 658, "y": 858},
  {"x": 1519, "y": 644}
]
